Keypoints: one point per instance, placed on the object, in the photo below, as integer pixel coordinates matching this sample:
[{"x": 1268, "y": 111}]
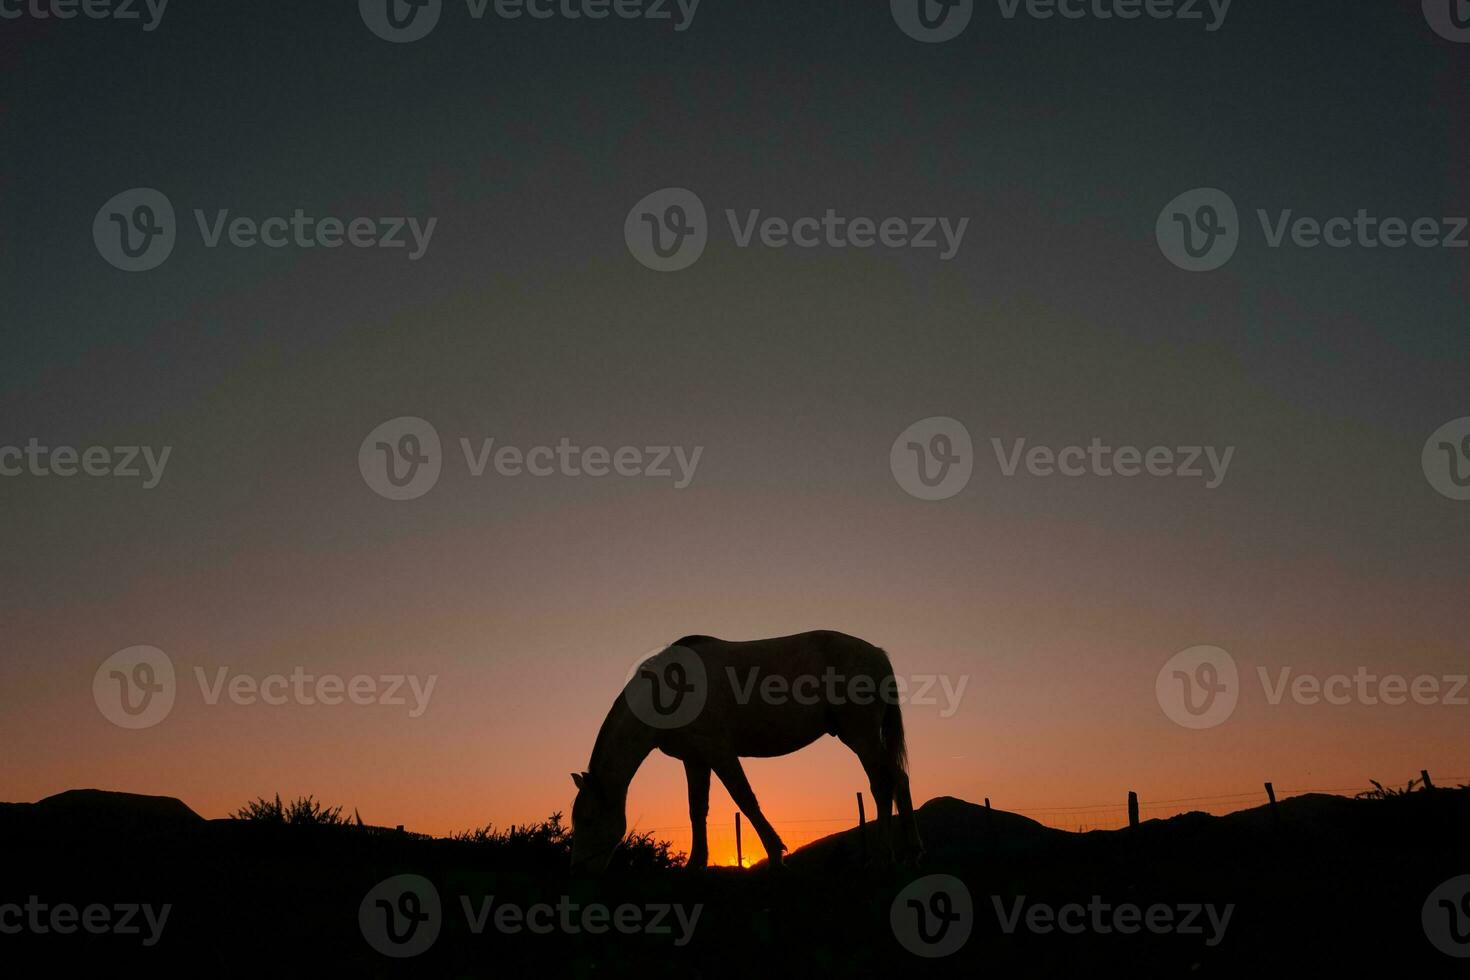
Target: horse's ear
[{"x": 577, "y": 778}]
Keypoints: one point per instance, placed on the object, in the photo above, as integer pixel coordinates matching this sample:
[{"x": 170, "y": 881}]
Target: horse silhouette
[{"x": 707, "y": 702}]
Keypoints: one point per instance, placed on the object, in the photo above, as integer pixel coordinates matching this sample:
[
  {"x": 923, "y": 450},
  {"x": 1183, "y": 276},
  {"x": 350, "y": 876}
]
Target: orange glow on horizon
[{"x": 1060, "y": 653}]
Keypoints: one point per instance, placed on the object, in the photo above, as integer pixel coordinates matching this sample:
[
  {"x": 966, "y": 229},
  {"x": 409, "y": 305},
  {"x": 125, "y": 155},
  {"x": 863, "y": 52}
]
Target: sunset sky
[{"x": 1057, "y": 600}]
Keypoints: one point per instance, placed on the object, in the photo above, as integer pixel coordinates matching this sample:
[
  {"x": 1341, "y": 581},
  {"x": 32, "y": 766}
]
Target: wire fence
[
  {"x": 1111, "y": 816},
  {"x": 1079, "y": 817}
]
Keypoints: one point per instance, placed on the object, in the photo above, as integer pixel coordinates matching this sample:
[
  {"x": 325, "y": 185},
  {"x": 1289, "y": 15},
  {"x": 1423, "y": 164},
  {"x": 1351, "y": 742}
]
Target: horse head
[{"x": 598, "y": 825}]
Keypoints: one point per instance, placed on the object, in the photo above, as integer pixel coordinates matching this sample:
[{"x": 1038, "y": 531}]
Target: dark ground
[{"x": 1329, "y": 884}]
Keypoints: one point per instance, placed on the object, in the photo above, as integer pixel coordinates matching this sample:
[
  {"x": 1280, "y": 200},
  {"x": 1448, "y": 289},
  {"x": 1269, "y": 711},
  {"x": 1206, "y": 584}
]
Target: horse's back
[{"x": 800, "y": 651}]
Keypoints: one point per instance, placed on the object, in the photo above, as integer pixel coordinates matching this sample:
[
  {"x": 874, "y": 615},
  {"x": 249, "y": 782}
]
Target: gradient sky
[{"x": 529, "y": 321}]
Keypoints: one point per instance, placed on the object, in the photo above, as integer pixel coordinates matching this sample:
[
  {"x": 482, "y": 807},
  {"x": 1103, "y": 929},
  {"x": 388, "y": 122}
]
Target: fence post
[
  {"x": 862, "y": 831},
  {"x": 1132, "y": 809},
  {"x": 1271, "y": 795},
  {"x": 739, "y": 858},
  {"x": 1425, "y": 774}
]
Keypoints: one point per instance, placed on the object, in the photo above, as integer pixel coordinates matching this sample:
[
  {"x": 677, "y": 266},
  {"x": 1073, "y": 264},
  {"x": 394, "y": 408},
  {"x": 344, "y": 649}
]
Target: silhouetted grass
[
  {"x": 544, "y": 846},
  {"x": 1379, "y": 792}
]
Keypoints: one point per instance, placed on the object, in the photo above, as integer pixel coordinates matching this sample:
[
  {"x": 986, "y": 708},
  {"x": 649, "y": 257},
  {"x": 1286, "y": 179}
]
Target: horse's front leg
[
  {"x": 698, "y": 776},
  {"x": 732, "y": 774}
]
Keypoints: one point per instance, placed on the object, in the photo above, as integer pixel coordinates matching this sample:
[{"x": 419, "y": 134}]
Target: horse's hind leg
[
  {"x": 732, "y": 774},
  {"x": 913, "y": 847},
  {"x": 870, "y": 753}
]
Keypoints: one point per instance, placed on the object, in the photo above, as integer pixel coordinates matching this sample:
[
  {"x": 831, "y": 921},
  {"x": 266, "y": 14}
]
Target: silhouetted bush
[
  {"x": 640, "y": 852},
  {"x": 300, "y": 812},
  {"x": 548, "y": 845}
]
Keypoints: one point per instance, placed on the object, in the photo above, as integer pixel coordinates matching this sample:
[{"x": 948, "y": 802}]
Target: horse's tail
[{"x": 892, "y": 733}]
